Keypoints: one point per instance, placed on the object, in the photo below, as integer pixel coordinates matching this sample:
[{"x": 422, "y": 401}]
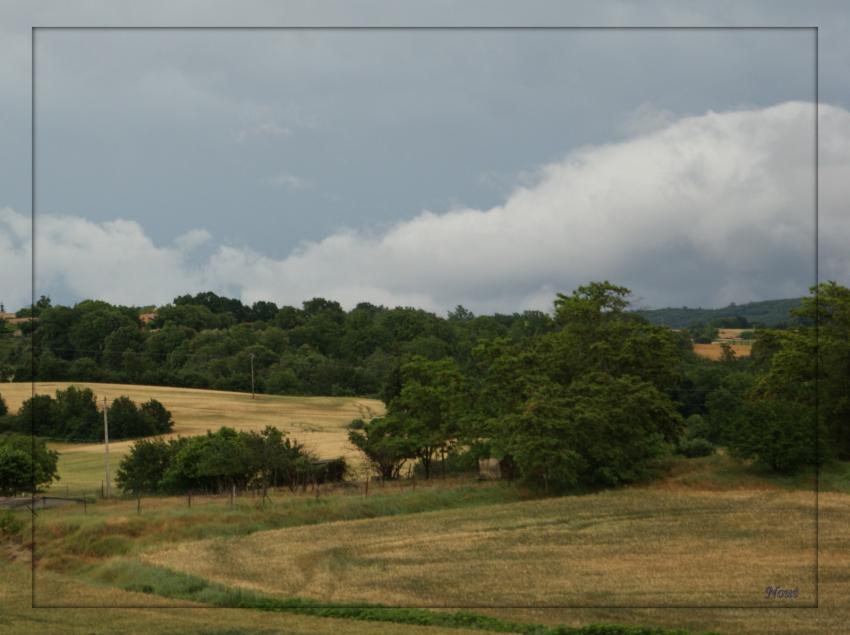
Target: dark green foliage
[
  {"x": 25, "y": 462},
  {"x": 206, "y": 341},
  {"x": 385, "y": 445},
  {"x": 220, "y": 460},
  {"x": 10, "y": 525},
  {"x": 724, "y": 405},
  {"x": 142, "y": 470},
  {"x": 159, "y": 419},
  {"x": 125, "y": 339},
  {"x": 459, "y": 381},
  {"x": 195, "y": 317},
  {"x": 428, "y": 408},
  {"x": 696, "y": 447},
  {"x": 777, "y": 433},
  {"x": 4, "y": 410},
  {"x": 330, "y": 470},
  {"x": 765, "y": 313},
  {"x": 585, "y": 405},
  {"x": 702, "y": 333},
  {"x": 598, "y": 431},
  {"x": 77, "y": 416},
  {"x": 73, "y": 415},
  {"x": 96, "y": 322},
  {"x": 128, "y": 421}
]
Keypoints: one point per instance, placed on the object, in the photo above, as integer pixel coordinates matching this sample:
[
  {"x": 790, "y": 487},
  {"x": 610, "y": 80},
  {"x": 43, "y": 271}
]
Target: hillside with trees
[
  {"x": 765, "y": 313},
  {"x": 590, "y": 396}
]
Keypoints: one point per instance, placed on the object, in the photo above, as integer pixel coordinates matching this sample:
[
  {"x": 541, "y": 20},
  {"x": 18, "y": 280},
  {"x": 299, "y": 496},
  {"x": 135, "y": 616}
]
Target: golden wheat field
[
  {"x": 685, "y": 540},
  {"x": 318, "y": 422},
  {"x": 714, "y": 351},
  {"x": 615, "y": 548}
]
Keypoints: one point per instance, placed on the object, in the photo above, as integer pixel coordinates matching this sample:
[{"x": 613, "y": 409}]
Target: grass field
[
  {"x": 318, "y": 422},
  {"x": 616, "y": 548},
  {"x": 712, "y": 532}
]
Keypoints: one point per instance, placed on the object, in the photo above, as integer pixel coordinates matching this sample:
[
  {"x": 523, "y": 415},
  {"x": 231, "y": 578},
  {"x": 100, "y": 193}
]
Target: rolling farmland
[
  {"x": 623, "y": 548},
  {"x": 698, "y": 537},
  {"x": 318, "y": 422}
]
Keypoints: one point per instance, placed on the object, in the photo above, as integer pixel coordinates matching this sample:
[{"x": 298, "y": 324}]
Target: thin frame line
[{"x": 35, "y": 28}]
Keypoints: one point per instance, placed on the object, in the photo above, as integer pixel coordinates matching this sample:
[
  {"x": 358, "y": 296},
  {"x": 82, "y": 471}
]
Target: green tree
[
  {"x": 598, "y": 431},
  {"x": 125, "y": 420},
  {"x": 141, "y": 470},
  {"x": 39, "y": 416},
  {"x": 159, "y": 419},
  {"x": 778, "y": 433},
  {"x": 88, "y": 334},
  {"x": 25, "y": 462},
  {"x": 79, "y": 419},
  {"x": 429, "y": 407},
  {"x": 385, "y": 445},
  {"x": 810, "y": 365},
  {"x": 125, "y": 339}
]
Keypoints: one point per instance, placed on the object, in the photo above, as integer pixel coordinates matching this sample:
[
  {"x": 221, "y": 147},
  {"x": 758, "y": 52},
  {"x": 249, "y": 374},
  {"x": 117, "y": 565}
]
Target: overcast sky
[{"x": 425, "y": 168}]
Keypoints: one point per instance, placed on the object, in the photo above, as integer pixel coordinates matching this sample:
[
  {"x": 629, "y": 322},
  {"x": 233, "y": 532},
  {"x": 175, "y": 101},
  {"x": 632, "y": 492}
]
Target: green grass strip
[{"x": 141, "y": 577}]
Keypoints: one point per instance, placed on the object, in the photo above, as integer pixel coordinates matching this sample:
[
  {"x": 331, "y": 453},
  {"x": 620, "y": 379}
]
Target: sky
[{"x": 428, "y": 168}]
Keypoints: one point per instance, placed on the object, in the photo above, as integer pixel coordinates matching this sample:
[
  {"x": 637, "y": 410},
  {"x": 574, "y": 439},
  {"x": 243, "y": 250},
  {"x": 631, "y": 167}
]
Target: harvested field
[
  {"x": 714, "y": 351},
  {"x": 645, "y": 547},
  {"x": 318, "y": 422}
]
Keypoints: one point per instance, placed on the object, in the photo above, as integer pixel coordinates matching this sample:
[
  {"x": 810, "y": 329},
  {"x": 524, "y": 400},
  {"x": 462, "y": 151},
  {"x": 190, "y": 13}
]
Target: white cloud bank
[{"x": 705, "y": 210}]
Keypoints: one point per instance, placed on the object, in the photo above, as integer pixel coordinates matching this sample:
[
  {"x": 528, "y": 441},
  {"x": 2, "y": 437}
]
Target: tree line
[
  {"x": 208, "y": 341},
  {"x": 589, "y": 396},
  {"x": 221, "y": 460},
  {"x": 596, "y": 400},
  {"x": 73, "y": 415}
]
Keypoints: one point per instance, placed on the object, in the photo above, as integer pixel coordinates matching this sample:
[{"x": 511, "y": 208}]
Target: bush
[
  {"x": 330, "y": 471},
  {"x": 10, "y": 525},
  {"x": 25, "y": 462},
  {"x": 220, "y": 460},
  {"x": 696, "y": 447},
  {"x": 4, "y": 410},
  {"x": 461, "y": 461}
]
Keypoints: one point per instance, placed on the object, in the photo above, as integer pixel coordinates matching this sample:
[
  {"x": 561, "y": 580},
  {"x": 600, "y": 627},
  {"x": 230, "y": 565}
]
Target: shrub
[
  {"x": 10, "y": 525},
  {"x": 25, "y": 462},
  {"x": 696, "y": 447},
  {"x": 220, "y": 460}
]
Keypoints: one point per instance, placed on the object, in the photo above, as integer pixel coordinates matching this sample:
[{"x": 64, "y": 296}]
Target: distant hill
[{"x": 766, "y": 313}]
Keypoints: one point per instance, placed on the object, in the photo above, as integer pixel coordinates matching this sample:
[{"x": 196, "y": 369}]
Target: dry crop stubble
[{"x": 624, "y": 548}]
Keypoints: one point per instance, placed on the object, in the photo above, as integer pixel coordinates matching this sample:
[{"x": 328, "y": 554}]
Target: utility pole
[
  {"x": 106, "y": 442},
  {"x": 252, "y": 375}
]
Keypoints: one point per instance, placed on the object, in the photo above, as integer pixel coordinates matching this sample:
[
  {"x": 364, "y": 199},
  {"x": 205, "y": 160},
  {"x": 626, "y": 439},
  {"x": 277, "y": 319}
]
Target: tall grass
[
  {"x": 145, "y": 578},
  {"x": 66, "y": 538}
]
